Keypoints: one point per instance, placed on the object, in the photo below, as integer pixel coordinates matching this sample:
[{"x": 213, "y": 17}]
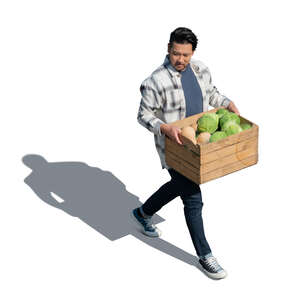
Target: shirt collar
[{"x": 169, "y": 67}]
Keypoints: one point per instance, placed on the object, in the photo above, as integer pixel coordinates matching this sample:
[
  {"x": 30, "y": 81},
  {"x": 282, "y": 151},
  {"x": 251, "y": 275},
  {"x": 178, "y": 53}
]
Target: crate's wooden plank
[
  {"x": 249, "y": 161},
  {"x": 187, "y": 170},
  {"x": 215, "y": 157},
  {"x": 182, "y": 169},
  {"x": 186, "y": 159},
  {"x": 183, "y": 152},
  {"x": 189, "y": 144},
  {"x": 184, "y": 122},
  {"x": 196, "y": 160},
  {"x": 230, "y": 140},
  {"x": 229, "y": 150},
  {"x": 228, "y": 160},
  {"x": 183, "y": 162},
  {"x": 185, "y": 143}
]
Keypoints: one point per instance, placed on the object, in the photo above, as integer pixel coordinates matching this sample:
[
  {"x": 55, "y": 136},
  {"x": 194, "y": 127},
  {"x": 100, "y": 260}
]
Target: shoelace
[
  {"x": 148, "y": 223},
  {"x": 212, "y": 263}
]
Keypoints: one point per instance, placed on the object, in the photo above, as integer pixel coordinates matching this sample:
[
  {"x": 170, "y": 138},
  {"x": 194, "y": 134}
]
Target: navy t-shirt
[{"x": 192, "y": 92}]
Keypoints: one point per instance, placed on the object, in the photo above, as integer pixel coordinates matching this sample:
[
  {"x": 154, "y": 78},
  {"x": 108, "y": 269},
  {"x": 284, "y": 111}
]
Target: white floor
[{"x": 70, "y": 77}]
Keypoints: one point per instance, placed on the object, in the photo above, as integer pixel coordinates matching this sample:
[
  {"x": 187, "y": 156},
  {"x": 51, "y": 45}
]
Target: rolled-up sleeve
[{"x": 149, "y": 106}]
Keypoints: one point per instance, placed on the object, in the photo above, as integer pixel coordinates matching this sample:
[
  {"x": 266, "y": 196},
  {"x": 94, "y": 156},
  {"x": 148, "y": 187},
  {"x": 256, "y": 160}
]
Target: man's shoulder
[{"x": 156, "y": 77}]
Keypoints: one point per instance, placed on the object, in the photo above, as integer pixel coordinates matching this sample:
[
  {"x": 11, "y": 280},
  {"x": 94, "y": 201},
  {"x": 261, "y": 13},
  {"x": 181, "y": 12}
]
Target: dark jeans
[{"x": 190, "y": 194}]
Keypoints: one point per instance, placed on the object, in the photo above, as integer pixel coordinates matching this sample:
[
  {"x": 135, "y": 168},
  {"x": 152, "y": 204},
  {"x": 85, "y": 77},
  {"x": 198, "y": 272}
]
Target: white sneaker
[
  {"x": 212, "y": 268},
  {"x": 148, "y": 228}
]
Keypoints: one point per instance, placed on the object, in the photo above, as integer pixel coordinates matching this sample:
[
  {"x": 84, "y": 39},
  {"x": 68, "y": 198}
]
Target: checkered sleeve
[{"x": 149, "y": 106}]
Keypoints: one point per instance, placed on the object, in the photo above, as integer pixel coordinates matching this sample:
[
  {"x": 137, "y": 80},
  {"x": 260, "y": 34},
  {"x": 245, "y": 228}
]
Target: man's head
[{"x": 181, "y": 46}]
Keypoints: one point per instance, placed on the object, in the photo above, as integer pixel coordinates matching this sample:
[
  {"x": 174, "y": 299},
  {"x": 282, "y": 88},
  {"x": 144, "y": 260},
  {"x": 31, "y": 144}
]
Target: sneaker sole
[
  {"x": 142, "y": 228},
  {"x": 221, "y": 275}
]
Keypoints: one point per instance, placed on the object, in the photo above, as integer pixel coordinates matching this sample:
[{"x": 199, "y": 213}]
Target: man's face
[{"x": 180, "y": 55}]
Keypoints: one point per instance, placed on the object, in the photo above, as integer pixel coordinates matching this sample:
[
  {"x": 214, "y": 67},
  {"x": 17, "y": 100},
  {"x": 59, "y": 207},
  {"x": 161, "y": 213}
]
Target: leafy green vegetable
[
  {"x": 218, "y": 135},
  {"x": 232, "y": 128},
  {"x": 208, "y": 123},
  {"x": 229, "y": 117},
  {"x": 221, "y": 112}
]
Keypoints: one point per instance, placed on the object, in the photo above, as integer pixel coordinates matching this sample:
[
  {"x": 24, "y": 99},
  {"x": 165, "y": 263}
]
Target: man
[{"x": 179, "y": 88}]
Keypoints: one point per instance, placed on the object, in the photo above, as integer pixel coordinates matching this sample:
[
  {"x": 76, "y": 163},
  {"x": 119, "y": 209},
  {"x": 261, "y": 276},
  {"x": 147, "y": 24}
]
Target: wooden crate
[{"x": 202, "y": 163}]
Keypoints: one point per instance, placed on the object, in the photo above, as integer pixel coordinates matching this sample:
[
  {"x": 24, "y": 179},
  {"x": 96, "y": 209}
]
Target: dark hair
[{"x": 182, "y": 35}]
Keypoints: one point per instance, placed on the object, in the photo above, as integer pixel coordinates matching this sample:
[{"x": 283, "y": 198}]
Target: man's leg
[
  {"x": 192, "y": 200},
  {"x": 143, "y": 214},
  {"x": 193, "y": 215},
  {"x": 161, "y": 197},
  {"x": 191, "y": 196}
]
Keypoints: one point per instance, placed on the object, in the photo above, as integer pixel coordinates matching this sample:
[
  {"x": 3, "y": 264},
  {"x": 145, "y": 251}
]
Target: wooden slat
[
  {"x": 189, "y": 144},
  {"x": 196, "y": 160},
  {"x": 183, "y": 152},
  {"x": 181, "y": 161},
  {"x": 229, "y": 150},
  {"x": 249, "y": 161},
  {"x": 182, "y": 169},
  {"x": 186, "y": 171},
  {"x": 230, "y": 159},
  {"x": 216, "y": 166},
  {"x": 230, "y": 140},
  {"x": 186, "y": 142}
]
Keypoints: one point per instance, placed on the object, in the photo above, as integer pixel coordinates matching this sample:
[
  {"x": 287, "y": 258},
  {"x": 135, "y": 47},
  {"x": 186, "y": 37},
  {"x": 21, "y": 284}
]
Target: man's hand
[
  {"x": 233, "y": 108},
  {"x": 172, "y": 132}
]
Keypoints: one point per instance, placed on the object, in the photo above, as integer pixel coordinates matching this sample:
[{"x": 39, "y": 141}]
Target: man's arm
[
  {"x": 233, "y": 108},
  {"x": 150, "y": 104}
]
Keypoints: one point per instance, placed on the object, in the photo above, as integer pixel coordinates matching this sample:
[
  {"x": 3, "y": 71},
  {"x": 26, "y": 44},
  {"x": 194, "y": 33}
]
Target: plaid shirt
[{"x": 163, "y": 99}]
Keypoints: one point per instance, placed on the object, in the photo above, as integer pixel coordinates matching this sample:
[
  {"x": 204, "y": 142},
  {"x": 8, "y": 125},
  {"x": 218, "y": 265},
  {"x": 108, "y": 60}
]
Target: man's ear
[{"x": 168, "y": 47}]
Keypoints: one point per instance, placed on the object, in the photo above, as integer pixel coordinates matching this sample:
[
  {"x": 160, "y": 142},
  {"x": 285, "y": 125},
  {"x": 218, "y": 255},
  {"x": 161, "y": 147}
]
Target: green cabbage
[
  {"x": 218, "y": 135},
  {"x": 232, "y": 128},
  {"x": 230, "y": 116},
  {"x": 227, "y": 124},
  {"x": 208, "y": 123},
  {"x": 221, "y": 112}
]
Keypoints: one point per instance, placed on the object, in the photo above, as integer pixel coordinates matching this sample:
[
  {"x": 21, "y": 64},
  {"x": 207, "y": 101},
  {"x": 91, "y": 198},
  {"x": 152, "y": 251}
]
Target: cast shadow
[{"x": 96, "y": 197}]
